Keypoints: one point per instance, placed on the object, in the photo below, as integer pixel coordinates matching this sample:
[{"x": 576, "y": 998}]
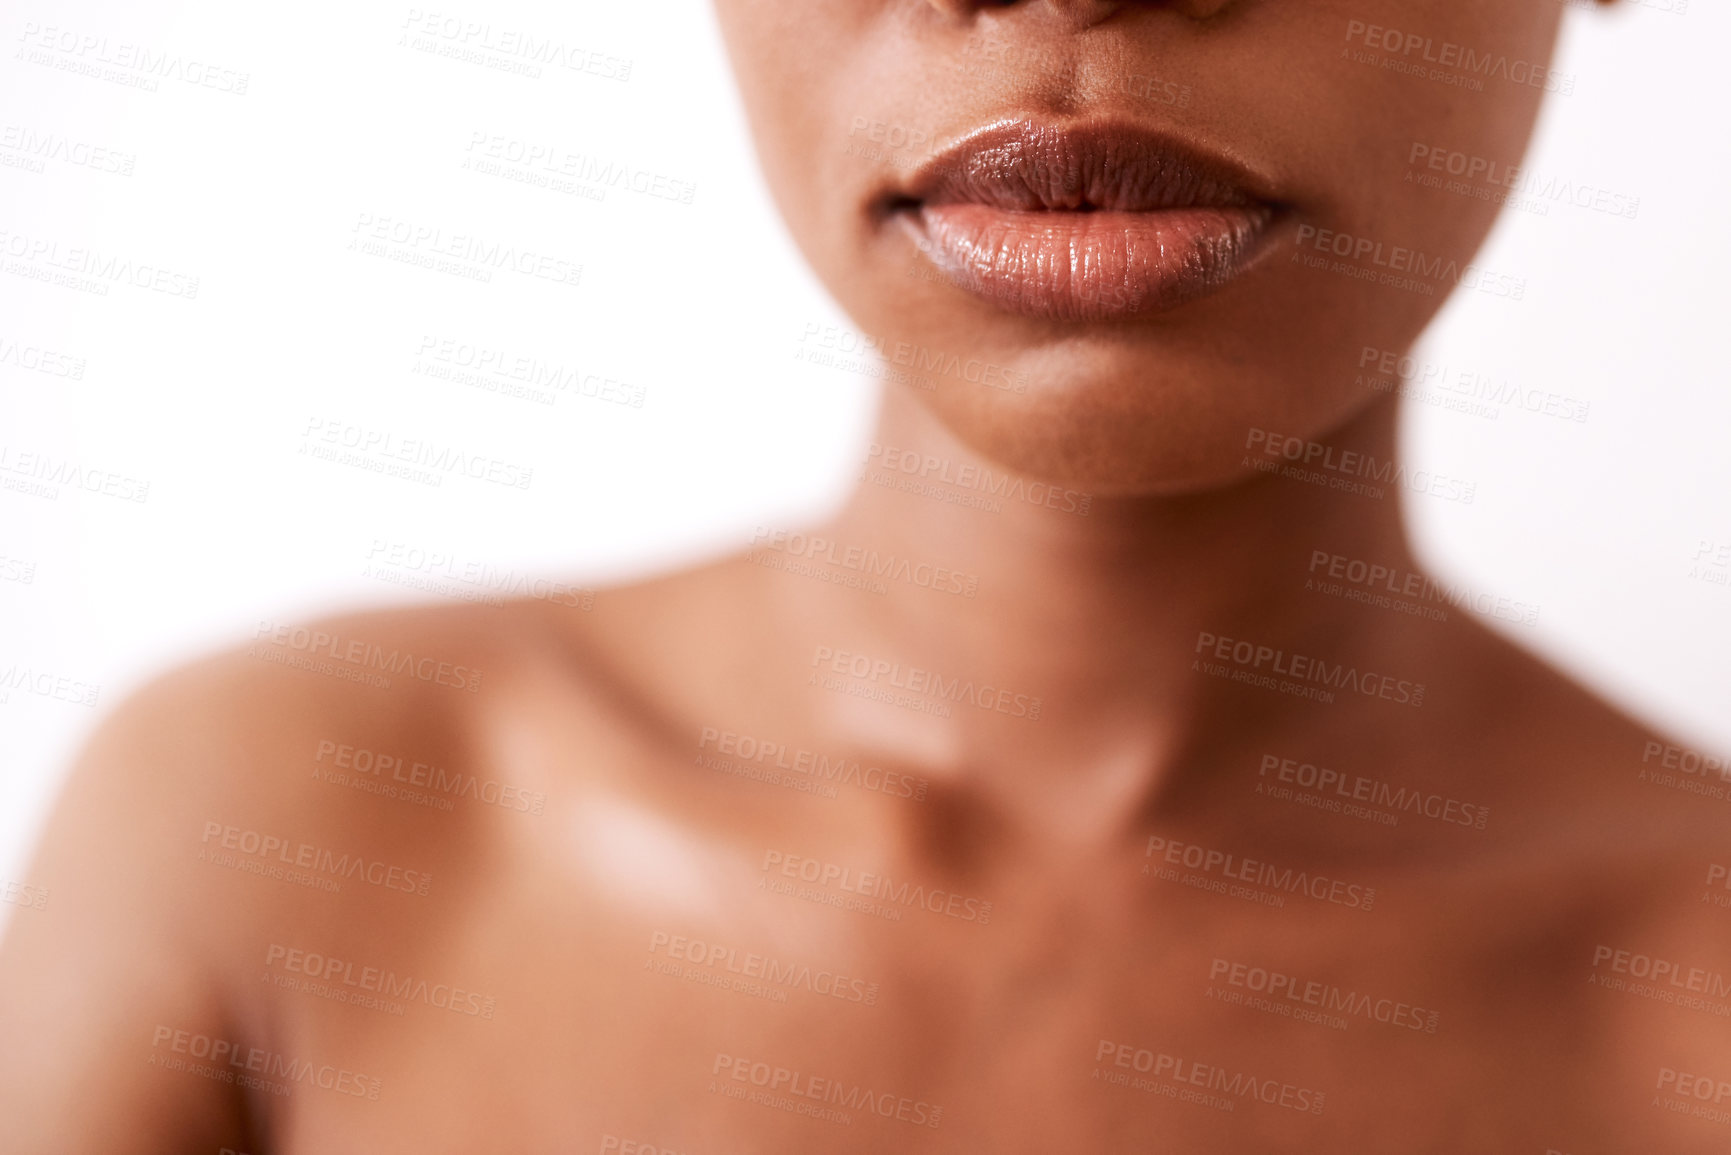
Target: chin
[{"x": 1145, "y": 418}]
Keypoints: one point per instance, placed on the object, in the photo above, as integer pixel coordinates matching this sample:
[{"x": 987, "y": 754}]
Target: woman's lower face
[{"x": 1172, "y": 222}]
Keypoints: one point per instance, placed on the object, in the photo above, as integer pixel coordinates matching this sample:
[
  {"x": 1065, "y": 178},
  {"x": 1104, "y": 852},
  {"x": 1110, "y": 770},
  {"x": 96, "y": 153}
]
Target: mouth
[{"x": 1086, "y": 223}]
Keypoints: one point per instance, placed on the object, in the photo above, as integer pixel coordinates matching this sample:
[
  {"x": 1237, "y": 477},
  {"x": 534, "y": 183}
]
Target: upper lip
[{"x": 1104, "y": 166}]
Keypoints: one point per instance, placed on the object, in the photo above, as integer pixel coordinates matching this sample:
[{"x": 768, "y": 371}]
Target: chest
[{"x": 1172, "y": 1017}]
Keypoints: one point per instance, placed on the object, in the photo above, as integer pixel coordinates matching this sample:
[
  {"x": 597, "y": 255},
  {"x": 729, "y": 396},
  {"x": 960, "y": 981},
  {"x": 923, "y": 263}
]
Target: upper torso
[{"x": 542, "y": 915}]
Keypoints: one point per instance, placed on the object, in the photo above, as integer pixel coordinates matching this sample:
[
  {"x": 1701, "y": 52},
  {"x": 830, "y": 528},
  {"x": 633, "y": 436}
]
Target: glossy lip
[{"x": 1089, "y": 222}]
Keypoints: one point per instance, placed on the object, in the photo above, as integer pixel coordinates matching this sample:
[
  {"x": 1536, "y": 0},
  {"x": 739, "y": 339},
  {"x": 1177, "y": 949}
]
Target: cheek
[
  {"x": 1465, "y": 77},
  {"x": 804, "y": 73}
]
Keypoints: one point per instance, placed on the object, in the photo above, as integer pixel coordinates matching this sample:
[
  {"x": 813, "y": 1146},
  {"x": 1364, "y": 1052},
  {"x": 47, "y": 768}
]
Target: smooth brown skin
[{"x": 553, "y": 914}]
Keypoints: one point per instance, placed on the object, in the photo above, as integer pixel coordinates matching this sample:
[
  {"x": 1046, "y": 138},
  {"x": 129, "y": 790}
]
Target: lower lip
[{"x": 1087, "y": 266}]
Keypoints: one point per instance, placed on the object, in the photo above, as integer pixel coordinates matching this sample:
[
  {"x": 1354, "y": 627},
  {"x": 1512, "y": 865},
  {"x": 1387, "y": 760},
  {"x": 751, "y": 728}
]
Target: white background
[{"x": 702, "y": 306}]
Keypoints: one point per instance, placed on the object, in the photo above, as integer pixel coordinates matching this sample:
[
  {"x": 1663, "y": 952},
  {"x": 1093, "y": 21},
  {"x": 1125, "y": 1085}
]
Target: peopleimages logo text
[
  {"x": 1448, "y": 54},
  {"x": 1400, "y": 259},
  {"x": 1304, "y": 668}
]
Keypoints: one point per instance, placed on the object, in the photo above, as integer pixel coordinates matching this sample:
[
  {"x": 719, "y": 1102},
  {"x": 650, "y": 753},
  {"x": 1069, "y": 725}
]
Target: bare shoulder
[
  {"x": 1613, "y": 867},
  {"x": 340, "y": 774},
  {"x": 1572, "y": 762},
  {"x": 263, "y": 731},
  {"x": 337, "y": 733},
  {"x": 367, "y": 754}
]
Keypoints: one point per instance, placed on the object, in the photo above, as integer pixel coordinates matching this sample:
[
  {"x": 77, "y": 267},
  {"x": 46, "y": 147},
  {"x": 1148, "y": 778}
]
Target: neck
[{"x": 1106, "y": 617}]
